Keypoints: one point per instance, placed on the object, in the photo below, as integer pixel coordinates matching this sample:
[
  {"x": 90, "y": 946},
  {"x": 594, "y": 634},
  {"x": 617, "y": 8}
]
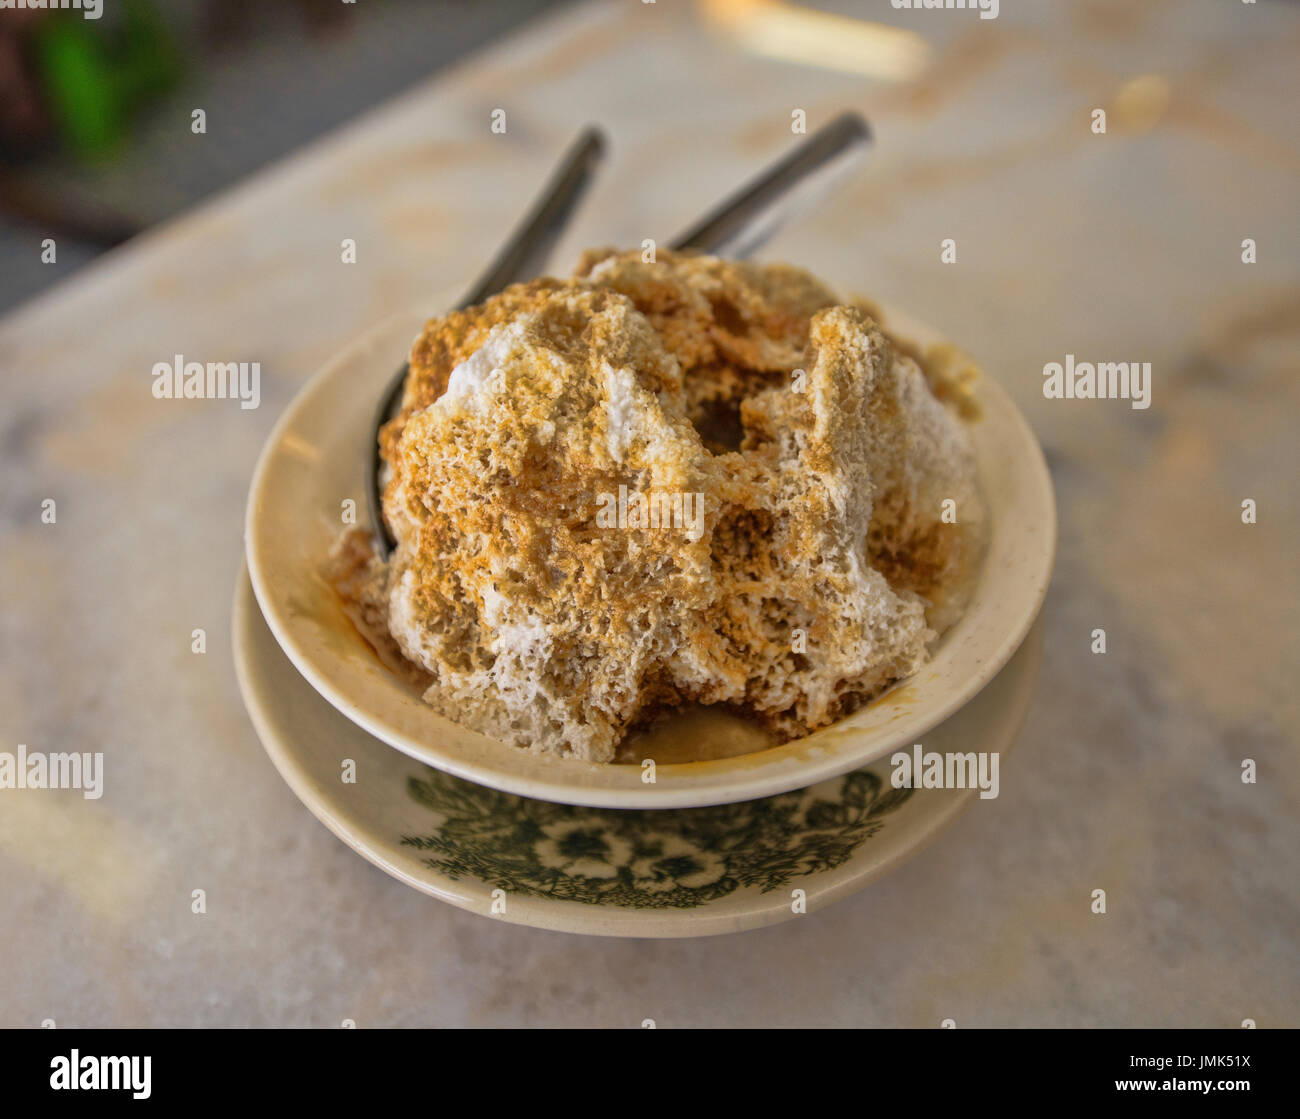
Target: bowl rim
[{"x": 792, "y": 765}]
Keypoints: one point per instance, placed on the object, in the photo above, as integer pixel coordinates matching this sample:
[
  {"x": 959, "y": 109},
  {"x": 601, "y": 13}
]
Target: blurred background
[
  {"x": 95, "y": 143},
  {"x": 1172, "y": 238},
  {"x": 89, "y": 148}
]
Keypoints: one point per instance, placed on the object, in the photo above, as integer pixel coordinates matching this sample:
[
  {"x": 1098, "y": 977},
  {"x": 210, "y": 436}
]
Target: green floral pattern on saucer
[{"x": 673, "y": 859}]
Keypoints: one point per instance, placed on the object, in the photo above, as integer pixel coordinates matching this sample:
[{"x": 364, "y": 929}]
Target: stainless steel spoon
[{"x": 737, "y": 227}]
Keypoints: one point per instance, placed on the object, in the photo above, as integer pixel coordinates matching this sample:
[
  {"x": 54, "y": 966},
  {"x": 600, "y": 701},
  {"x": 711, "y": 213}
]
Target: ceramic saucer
[{"x": 602, "y": 871}]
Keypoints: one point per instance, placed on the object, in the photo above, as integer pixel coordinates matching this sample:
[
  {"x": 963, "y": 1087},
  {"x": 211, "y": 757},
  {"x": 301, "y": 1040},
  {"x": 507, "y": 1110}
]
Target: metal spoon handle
[
  {"x": 746, "y": 220},
  {"x": 524, "y": 254}
]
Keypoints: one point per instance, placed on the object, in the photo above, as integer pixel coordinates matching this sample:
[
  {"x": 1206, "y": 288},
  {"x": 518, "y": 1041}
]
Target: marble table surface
[{"x": 1123, "y": 246}]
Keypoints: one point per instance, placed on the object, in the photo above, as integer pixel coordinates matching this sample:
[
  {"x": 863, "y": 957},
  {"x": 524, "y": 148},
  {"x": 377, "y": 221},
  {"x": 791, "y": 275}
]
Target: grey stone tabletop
[{"x": 1169, "y": 238}]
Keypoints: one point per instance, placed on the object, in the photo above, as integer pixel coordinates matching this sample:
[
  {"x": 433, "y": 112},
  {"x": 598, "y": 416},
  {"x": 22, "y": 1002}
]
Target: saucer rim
[{"x": 732, "y": 914}]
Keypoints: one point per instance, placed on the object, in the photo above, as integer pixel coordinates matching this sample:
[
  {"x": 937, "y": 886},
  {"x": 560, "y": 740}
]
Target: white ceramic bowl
[{"x": 314, "y": 460}]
